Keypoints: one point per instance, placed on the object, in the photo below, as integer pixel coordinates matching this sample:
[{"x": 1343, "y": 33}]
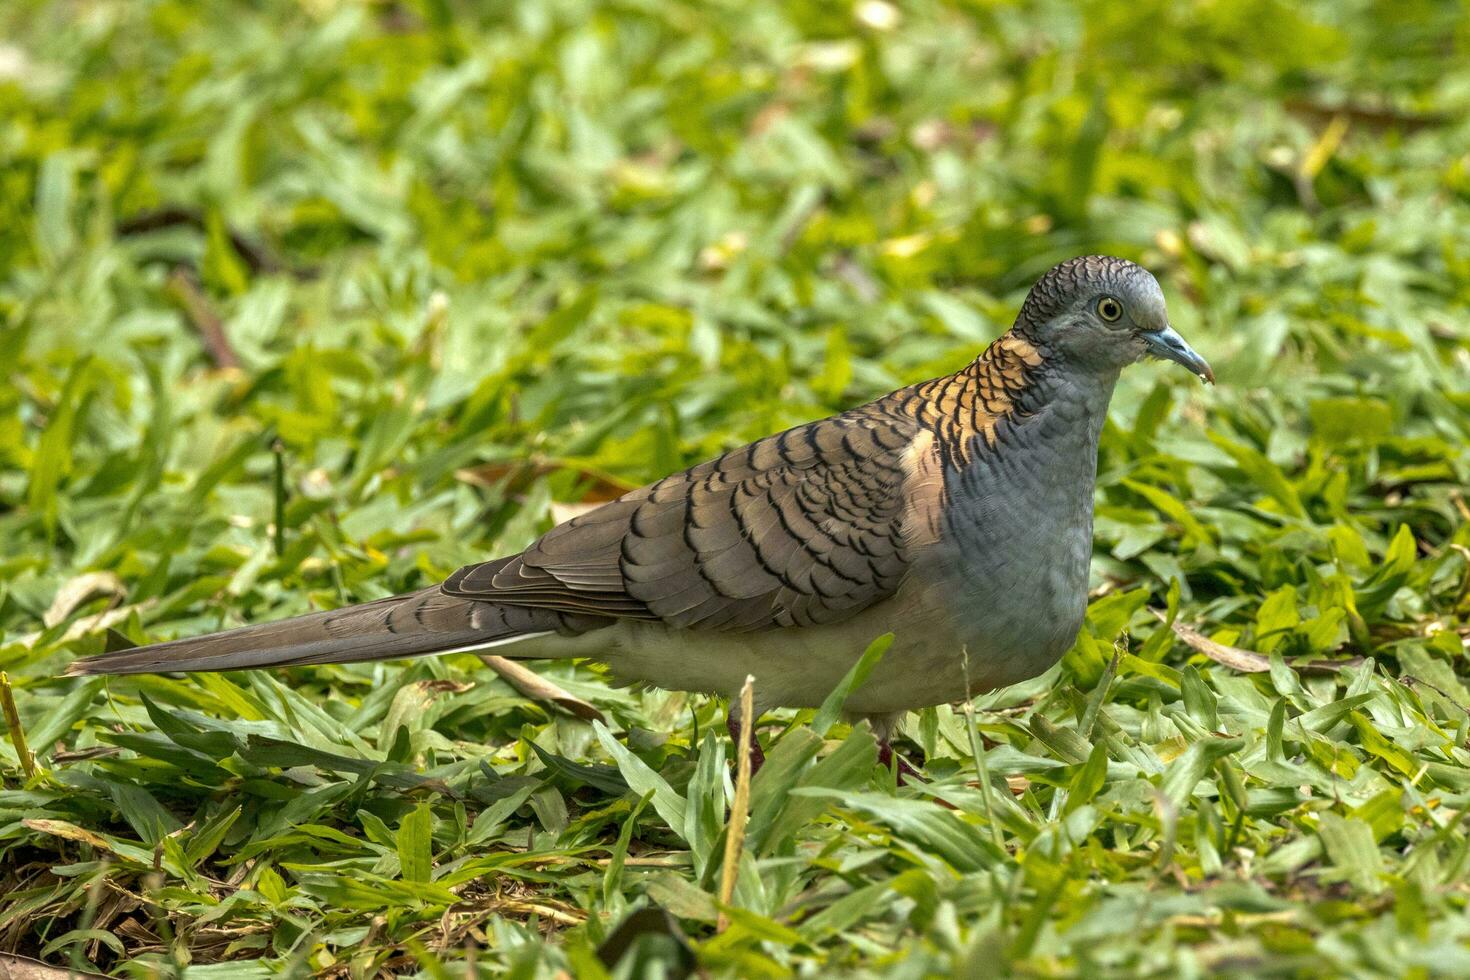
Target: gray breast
[{"x": 1018, "y": 539}]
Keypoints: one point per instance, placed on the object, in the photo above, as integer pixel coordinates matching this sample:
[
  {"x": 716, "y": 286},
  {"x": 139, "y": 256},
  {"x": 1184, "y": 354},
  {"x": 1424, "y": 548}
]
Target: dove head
[{"x": 1103, "y": 313}]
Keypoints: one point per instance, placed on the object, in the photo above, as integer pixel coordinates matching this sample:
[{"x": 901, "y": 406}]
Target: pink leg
[
  {"x": 906, "y": 772},
  {"x": 757, "y": 757}
]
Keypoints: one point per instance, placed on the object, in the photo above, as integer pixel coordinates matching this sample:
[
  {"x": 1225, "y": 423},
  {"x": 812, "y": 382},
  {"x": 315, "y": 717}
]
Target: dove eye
[{"x": 1109, "y": 309}]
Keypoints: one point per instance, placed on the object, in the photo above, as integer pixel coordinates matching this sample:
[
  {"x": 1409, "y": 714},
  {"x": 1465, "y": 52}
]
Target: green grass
[{"x": 479, "y": 268}]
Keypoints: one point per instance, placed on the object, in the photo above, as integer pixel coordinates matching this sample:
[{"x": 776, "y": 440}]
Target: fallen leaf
[
  {"x": 1234, "y": 657},
  {"x": 69, "y": 831},
  {"x": 81, "y": 590},
  {"x": 561, "y": 513},
  {"x": 599, "y": 487},
  {"x": 87, "y": 625},
  {"x": 538, "y": 688},
  {"x": 14, "y": 967}
]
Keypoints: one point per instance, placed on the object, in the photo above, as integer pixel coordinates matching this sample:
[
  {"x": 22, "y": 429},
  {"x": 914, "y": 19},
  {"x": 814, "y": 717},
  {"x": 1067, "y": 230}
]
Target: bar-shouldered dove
[{"x": 955, "y": 513}]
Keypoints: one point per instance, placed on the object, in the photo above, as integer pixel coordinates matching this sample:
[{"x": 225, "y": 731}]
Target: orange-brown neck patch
[{"x": 974, "y": 400}]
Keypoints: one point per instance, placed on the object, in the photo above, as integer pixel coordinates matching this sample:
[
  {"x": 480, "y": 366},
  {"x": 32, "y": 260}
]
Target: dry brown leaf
[
  {"x": 15, "y": 967},
  {"x": 432, "y": 688},
  {"x": 81, "y": 590},
  {"x": 1247, "y": 661},
  {"x": 538, "y": 688},
  {"x": 69, "y": 831},
  {"x": 561, "y": 513},
  {"x": 600, "y": 487},
  {"x": 87, "y": 625}
]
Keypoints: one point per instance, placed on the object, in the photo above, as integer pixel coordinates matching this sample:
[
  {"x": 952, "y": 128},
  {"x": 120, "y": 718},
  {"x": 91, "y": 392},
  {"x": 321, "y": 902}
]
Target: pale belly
[{"x": 930, "y": 662}]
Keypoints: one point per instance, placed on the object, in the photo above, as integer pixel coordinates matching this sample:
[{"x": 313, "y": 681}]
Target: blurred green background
[{"x": 305, "y": 302}]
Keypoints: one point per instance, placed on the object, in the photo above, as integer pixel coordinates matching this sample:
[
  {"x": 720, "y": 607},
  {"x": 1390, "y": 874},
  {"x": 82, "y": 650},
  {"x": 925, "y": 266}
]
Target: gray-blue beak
[{"x": 1168, "y": 345}]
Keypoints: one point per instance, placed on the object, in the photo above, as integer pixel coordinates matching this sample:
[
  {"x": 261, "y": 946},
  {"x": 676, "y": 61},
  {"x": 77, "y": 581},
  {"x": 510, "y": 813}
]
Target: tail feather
[{"x": 412, "y": 625}]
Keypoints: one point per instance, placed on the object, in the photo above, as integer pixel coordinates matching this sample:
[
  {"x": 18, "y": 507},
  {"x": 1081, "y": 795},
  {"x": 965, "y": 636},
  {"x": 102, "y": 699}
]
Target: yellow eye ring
[{"x": 1109, "y": 309}]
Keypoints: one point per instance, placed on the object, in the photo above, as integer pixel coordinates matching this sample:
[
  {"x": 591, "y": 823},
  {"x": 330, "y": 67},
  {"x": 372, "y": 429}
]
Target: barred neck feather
[{"x": 998, "y": 385}]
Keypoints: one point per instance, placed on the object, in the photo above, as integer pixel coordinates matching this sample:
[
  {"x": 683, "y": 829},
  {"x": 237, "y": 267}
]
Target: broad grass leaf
[
  {"x": 847, "y": 767},
  {"x": 1266, "y": 475},
  {"x": 770, "y": 790},
  {"x": 372, "y": 893},
  {"x": 1109, "y": 616},
  {"x": 23, "y": 970},
  {"x": 1348, "y": 421},
  {"x": 307, "y": 807},
  {"x": 854, "y": 679},
  {"x": 704, "y": 815},
  {"x": 148, "y": 818},
  {"x": 1065, "y": 742},
  {"x": 1353, "y": 851},
  {"x": 606, "y": 778},
  {"x": 63, "y": 717},
  {"x": 684, "y": 899},
  {"x": 1384, "y": 813},
  {"x": 55, "y": 199},
  {"x": 212, "y": 745},
  {"x": 1328, "y": 716},
  {"x": 1184, "y": 773},
  {"x": 1089, "y": 780},
  {"x": 1199, "y": 700},
  {"x": 152, "y": 745},
  {"x": 1276, "y": 618},
  {"x": 264, "y": 751},
  {"x": 494, "y": 817},
  {"x": 928, "y": 828},
  {"x": 1195, "y": 532},
  {"x": 641, "y": 779},
  {"x": 612, "y": 879},
  {"x": 551, "y": 810},
  {"x": 53, "y": 457},
  {"x": 415, "y": 843},
  {"x": 869, "y": 902},
  {"x": 203, "y": 842},
  {"x": 1390, "y": 575}
]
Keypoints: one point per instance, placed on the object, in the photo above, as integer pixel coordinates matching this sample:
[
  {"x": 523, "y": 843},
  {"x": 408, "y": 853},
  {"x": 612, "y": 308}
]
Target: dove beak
[{"x": 1168, "y": 345}]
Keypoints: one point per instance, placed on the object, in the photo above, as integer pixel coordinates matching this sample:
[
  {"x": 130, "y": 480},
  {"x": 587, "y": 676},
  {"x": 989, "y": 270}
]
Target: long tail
[{"x": 411, "y": 625}]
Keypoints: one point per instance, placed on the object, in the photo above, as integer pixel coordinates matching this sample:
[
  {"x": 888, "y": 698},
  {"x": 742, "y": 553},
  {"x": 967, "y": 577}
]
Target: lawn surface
[{"x": 307, "y": 302}]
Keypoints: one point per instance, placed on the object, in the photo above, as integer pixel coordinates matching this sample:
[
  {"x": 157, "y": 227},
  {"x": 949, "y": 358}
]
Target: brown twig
[
  {"x": 1234, "y": 657},
  {"x": 184, "y": 286},
  {"x": 1374, "y": 117},
  {"x": 740, "y": 806},
  {"x": 256, "y": 256},
  {"x": 1248, "y": 661},
  {"x": 1410, "y": 681},
  {"x": 798, "y": 224}
]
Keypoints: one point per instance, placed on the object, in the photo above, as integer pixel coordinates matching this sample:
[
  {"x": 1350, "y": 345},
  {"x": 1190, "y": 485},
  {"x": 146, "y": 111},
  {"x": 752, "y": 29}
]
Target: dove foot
[
  {"x": 757, "y": 757},
  {"x": 906, "y": 772}
]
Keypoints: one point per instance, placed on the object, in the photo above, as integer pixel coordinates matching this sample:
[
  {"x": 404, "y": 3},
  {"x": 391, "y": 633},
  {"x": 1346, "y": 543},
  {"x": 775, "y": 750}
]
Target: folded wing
[{"x": 802, "y": 528}]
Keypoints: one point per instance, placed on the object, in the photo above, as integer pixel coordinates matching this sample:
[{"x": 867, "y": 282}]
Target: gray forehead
[
  {"x": 1144, "y": 299},
  {"x": 1082, "y": 278}
]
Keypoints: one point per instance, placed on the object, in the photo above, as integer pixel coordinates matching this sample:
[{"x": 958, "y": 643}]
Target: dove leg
[
  {"x": 737, "y": 730},
  {"x": 906, "y": 771},
  {"x": 884, "y": 726}
]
